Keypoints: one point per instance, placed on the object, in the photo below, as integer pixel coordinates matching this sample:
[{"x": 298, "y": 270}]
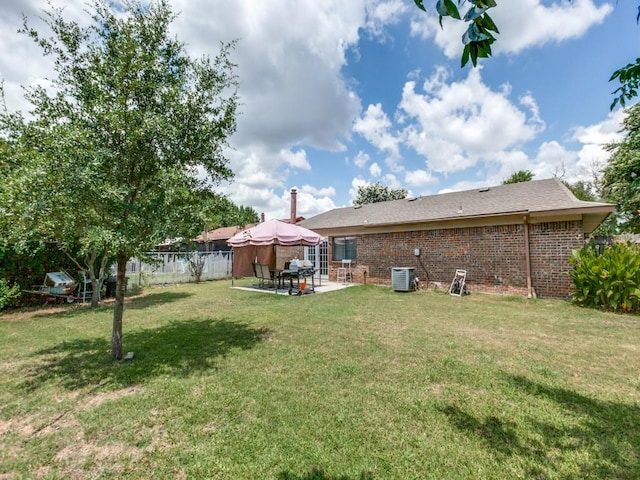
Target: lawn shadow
[
  {"x": 149, "y": 300},
  {"x": 498, "y": 434},
  {"x": 317, "y": 473},
  {"x": 604, "y": 435},
  {"x": 66, "y": 310},
  {"x": 178, "y": 349}
]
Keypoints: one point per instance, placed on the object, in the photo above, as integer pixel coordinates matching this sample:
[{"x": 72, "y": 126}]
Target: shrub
[
  {"x": 609, "y": 280},
  {"x": 196, "y": 266},
  {"x": 28, "y": 267},
  {"x": 8, "y": 294}
]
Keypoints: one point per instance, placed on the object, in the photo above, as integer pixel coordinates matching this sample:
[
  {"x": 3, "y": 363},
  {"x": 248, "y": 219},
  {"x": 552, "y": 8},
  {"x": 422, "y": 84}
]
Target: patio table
[{"x": 298, "y": 274}]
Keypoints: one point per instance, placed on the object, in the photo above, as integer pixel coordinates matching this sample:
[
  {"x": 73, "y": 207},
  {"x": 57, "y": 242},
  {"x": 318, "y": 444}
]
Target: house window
[{"x": 343, "y": 248}]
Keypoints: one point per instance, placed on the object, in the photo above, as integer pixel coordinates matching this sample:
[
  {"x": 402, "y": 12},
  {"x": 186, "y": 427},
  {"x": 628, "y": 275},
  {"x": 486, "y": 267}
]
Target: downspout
[{"x": 527, "y": 255}]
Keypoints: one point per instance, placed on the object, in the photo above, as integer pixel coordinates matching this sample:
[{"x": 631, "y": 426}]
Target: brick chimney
[
  {"x": 262, "y": 217},
  {"x": 294, "y": 195}
]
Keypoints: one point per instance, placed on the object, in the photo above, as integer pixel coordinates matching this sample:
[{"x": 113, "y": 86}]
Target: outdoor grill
[
  {"x": 299, "y": 270},
  {"x": 306, "y": 272},
  {"x": 57, "y": 286},
  {"x": 59, "y": 283}
]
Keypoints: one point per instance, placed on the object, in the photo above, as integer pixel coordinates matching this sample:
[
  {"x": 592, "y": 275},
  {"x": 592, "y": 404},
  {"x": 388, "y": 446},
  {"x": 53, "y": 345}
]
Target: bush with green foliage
[
  {"x": 609, "y": 279},
  {"x": 8, "y": 293},
  {"x": 28, "y": 267}
]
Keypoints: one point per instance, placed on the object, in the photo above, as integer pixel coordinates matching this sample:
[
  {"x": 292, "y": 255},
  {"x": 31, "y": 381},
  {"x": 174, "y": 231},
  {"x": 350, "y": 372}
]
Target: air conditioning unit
[{"x": 402, "y": 279}]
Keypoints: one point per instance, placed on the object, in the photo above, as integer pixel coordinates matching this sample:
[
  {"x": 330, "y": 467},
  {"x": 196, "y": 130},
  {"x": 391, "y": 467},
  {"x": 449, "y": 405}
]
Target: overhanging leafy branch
[{"x": 479, "y": 37}]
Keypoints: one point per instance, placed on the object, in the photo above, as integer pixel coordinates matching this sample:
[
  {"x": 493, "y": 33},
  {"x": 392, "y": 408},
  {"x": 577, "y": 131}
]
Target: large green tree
[
  {"x": 479, "y": 37},
  {"x": 518, "y": 177},
  {"x": 582, "y": 190},
  {"x": 218, "y": 211},
  {"x": 377, "y": 192},
  {"x": 621, "y": 182},
  {"x": 130, "y": 120},
  {"x": 222, "y": 212}
]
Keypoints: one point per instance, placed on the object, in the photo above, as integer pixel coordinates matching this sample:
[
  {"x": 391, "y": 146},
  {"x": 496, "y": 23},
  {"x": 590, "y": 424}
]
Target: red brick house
[{"x": 509, "y": 238}]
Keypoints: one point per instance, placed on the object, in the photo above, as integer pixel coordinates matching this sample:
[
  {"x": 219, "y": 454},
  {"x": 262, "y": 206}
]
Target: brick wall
[
  {"x": 359, "y": 272},
  {"x": 286, "y": 254},
  {"x": 551, "y": 245},
  {"x": 493, "y": 256}
]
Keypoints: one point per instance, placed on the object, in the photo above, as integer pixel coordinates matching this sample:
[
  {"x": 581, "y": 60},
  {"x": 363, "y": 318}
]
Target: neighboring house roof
[
  {"x": 538, "y": 198},
  {"x": 222, "y": 233},
  {"x": 288, "y": 220},
  {"x": 225, "y": 233}
]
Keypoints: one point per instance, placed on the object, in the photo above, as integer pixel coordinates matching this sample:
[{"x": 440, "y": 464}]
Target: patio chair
[{"x": 262, "y": 273}]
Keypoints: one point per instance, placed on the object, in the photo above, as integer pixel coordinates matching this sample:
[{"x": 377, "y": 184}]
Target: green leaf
[
  {"x": 488, "y": 23},
  {"x": 420, "y": 5},
  {"x": 446, "y": 8},
  {"x": 465, "y": 56},
  {"x": 474, "y": 53},
  {"x": 441, "y": 8},
  {"x": 484, "y": 3},
  {"x": 473, "y": 13},
  {"x": 484, "y": 49},
  {"x": 475, "y": 34}
]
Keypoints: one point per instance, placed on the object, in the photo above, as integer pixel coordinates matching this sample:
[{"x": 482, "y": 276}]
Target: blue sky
[{"x": 337, "y": 94}]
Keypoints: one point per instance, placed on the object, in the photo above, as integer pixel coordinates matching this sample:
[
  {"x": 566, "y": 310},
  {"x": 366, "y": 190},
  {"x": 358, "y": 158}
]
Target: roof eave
[
  {"x": 445, "y": 219},
  {"x": 585, "y": 210}
]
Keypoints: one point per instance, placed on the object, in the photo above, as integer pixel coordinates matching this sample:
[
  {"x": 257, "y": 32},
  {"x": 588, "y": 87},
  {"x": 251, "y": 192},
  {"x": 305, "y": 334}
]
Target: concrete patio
[{"x": 326, "y": 286}]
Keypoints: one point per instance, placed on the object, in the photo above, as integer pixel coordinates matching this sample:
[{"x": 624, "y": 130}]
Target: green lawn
[{"x": 361, "y": 383}]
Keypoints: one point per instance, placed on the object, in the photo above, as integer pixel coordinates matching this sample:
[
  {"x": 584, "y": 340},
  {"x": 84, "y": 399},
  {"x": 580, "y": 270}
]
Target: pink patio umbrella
[
  {"x": 275, "y": 232},
  {"x": 258, "y": 244}
]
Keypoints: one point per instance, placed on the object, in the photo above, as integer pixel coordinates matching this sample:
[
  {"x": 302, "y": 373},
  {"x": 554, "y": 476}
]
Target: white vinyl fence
[{"x": 177, "y": 267}]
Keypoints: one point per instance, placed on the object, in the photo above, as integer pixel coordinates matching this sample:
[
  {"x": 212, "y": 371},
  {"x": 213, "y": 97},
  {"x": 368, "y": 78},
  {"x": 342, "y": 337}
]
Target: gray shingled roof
[{"x": 537, "y": 196}]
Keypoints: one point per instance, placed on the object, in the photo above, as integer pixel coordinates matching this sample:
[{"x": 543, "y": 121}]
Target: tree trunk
[
  {"x": 95, "y": 285},
  {"x": 121, "y": 278},
  {"x": 98, "y": 280},
  {"x": 95, "y": 289}
]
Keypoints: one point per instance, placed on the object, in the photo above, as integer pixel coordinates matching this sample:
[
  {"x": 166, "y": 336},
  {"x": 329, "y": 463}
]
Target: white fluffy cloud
[
  {"x": 376, "y": 127},
  {"x": 604, "y": 132},
  {"x": 381, "y": 14},
  {"x": 555, "y": 159},
  {"x": 290, "y": 55},
  {"x": 261, "y": 177},
  {"x": 292, "y": 91},
  {"x": 15, "y": 49},
  {"x": 296, "y": 104},
  {"x": 420, "y": 178},
  {"x": 456, "y": 125},
  {"x": 523, "y": 24},
  {"x": 361, "y": 159},
  {"x": 592, "y": 154}
]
